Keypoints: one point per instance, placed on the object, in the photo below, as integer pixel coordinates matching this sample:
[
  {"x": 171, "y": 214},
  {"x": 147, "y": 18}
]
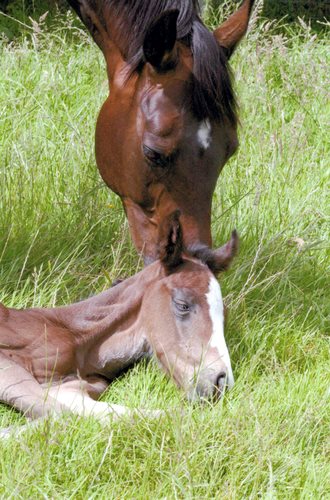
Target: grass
[{"x": 63, "y": 236}]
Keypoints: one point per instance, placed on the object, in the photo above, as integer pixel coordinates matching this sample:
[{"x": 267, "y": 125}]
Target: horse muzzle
[{"x": 210, "y": 386}]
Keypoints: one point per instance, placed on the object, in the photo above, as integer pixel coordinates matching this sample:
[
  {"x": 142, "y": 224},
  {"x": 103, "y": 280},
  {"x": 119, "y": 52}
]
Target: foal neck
[
  {"x": 111, "y": 311},
  {"x": 108, "y": 327}
]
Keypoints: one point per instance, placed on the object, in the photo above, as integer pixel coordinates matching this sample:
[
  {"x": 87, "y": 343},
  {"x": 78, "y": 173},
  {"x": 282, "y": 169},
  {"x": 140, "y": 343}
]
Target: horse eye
[
  {"x": 182, "y": 307},
  {"x": 157, "y": 159}
]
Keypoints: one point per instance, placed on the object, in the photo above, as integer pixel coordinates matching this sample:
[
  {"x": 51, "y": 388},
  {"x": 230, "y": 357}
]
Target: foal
[{"x": 64, "y": 358}]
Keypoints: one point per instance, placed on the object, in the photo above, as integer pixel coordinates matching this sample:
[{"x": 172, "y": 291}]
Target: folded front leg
[
  {"x": 20, "y": 390},
  {"x": 74, "y": 396}
]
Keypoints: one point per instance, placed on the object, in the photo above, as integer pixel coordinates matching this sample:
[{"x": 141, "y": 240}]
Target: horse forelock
[{"x": 212, "y": 95}]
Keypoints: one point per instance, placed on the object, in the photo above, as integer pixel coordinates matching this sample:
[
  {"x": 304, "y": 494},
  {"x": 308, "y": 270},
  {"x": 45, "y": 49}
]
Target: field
[{"x": 63, "y": 236}]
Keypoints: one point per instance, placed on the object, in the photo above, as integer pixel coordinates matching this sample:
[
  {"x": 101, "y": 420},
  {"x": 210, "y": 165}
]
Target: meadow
[{"x": 63, "y": 237}]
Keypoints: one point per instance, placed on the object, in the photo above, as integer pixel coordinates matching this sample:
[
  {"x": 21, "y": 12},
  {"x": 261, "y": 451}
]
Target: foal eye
[
  {"x": 157, "y": 159},
  {"x": 182, "y": 307}
]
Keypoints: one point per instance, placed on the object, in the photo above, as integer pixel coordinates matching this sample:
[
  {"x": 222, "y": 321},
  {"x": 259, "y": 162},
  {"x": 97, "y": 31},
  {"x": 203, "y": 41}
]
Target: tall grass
[{"x": 64, "y": 236}]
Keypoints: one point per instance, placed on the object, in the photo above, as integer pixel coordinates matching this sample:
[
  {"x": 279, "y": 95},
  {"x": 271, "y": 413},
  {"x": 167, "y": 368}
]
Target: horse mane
[{"x": 212, "y": 94}]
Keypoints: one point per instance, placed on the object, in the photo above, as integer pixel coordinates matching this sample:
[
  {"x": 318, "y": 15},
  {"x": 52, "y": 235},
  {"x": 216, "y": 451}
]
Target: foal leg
[
  {"x": 19, "y": 389},
  {"x": 74, "y": 395}
]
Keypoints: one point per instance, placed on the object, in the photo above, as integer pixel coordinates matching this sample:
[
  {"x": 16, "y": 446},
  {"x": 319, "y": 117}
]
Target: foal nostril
[{"x": 221, "y": 380}]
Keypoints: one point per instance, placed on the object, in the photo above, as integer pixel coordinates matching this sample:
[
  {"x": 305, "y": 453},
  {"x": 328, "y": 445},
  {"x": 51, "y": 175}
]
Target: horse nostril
[{"x": 221, "y": 380}]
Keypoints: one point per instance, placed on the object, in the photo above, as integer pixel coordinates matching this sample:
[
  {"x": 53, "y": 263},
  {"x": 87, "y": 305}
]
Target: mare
[
  {"x": 169, "y": 123},
  {"x": 62, "y": 359}
]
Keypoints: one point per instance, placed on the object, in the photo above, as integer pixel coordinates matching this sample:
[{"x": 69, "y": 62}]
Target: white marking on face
[
  {"x": 215, "y": 302},
  {"x": 204, "y": 134}
]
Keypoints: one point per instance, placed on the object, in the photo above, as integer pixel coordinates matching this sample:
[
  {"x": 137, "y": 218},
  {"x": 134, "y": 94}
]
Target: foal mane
[{"x": 213, "y": 95}]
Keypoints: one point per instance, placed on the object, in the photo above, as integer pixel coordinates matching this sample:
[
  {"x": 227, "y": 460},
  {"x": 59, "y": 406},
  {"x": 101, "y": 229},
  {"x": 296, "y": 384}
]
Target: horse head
[
  {"x": 169, "y": 123},
  {"x": 183, "y": 314}
]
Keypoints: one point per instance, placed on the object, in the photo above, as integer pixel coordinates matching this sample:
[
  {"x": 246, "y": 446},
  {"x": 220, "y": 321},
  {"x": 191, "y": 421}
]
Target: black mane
[{"x": 213, "y": 95}]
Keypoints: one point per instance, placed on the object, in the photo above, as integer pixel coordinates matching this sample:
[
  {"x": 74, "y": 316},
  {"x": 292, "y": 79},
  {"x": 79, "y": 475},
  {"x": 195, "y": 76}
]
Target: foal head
[
  {"x": 183, "y": 315},
  {"x": 169, "y": 124}
]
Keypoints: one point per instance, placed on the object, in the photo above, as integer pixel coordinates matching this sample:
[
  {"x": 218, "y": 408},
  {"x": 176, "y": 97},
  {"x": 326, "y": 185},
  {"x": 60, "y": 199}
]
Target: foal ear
[
  {"x": 159, "y": 41},
  {"x": 170, "y": 243},
  {"x": 220, "y": 259},
  {"x": 230, "y": 33},
  {"x": 90, "y": 12}
]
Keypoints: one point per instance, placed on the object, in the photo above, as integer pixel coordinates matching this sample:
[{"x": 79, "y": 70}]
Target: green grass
[{"x": 63, "y": 236}]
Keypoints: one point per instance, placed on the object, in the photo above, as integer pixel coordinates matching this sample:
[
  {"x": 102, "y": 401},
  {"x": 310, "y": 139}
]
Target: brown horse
[
  {"x": 60, "y": 359},
  {"x": 169, "y": 123}
]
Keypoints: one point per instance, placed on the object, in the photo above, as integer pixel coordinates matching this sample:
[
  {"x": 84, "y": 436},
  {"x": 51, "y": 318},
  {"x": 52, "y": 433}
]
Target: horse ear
[
  {"x": 170, "y": 242},
  {"x": 92, "y": 16},
  {"x": 230, "y": 33},
  {"x": 220, "y": 259},
  {"x": 159, "y": 41}
]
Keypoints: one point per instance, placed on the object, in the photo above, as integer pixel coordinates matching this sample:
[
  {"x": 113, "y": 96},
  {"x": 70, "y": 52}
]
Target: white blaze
[
  {"x": 204, "y": 134},
  {"x": 215, "y": 302}
]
